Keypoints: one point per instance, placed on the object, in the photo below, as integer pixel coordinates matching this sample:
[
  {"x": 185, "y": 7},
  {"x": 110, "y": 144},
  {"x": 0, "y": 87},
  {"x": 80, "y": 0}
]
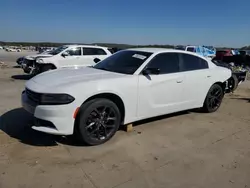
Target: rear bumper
[{"x": 242, "y": 76}]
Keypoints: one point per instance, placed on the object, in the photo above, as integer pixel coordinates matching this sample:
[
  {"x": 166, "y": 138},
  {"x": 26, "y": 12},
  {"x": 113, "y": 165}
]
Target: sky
[{"x": 196, "y": 22}]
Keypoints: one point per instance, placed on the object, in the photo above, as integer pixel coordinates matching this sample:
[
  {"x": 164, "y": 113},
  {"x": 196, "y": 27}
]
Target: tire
[
  {"x": 212, "y": 102},
  {"x": 233, "y": 83},
  {"x": 97, "y": 60},
  {"x": 89, "y": 121},
  {"x": 46, "y": 68}
]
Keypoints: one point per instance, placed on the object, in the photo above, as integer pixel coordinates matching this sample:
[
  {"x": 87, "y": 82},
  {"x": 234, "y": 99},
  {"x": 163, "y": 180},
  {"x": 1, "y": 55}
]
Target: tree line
[{"x": 110, "y": 45}]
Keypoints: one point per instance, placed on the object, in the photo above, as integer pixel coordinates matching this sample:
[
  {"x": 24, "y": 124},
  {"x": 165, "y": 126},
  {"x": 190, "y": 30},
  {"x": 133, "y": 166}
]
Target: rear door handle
[
  {"x": 208, "y": 76},
  {"x": 179, "y": 81}
]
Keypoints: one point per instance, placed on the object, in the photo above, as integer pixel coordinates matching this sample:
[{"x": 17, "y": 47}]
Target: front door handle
[{"x": 179, "y": 81}]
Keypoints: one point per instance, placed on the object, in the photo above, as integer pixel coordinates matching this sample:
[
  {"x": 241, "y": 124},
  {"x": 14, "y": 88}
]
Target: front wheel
[
  {"x": 213, "y": 99},
  {"x": 98, "y": 121}
]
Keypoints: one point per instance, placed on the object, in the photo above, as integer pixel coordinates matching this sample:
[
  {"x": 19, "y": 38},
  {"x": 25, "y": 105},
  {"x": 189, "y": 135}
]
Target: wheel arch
[
  {"x": 222, "y": 84},
  {"x": 114, "y": 98},
  {"x": 50, "y": 64},
  {"x": 106, "y": 95}
]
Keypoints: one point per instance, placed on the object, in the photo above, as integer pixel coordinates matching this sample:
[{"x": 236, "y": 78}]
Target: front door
[
  {"x": 73, "y": 59},
  {"x": 162, "y": 93}
]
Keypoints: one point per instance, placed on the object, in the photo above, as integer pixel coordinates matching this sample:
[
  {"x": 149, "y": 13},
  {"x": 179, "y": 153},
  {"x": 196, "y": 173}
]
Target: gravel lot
[{"x": 183, "y": 150}]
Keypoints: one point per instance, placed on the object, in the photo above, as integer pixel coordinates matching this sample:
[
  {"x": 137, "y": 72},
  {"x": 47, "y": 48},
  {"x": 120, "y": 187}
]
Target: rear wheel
[
  {"x": 233, "y": 83},
  {"x": 213, "y": 99},
  {"x": 98, "y": 121}
]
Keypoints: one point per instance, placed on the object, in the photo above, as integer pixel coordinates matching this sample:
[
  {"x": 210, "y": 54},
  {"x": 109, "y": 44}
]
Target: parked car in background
[
  {"x": 180, "y": 47},
  {"x": 20, "y": 60},
  {"x": 237, "y": 62},
  {"x": 220, "y": 54},
  {"x": 128, "y": 86},
  {"x": 11, "y": 50},
  {"x": 64, "y": 57},
  {"x": 201, "y": 50},
  {"x": 244, "y": 52}
]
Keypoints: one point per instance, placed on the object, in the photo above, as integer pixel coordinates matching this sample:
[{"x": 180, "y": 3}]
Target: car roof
[
  {"x": 153, "y": 50},
  {"x": 79, "y": 45},
  {"x": 158, "y": 50},
  {"x": 161, "y": 50}
]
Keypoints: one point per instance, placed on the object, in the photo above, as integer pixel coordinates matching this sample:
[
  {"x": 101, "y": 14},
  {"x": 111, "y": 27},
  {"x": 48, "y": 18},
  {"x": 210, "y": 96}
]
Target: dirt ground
[{"x": 183, "y": 150}]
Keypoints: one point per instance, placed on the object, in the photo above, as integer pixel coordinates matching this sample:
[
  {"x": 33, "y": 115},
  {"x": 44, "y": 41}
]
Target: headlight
[
  {"x": 56, "y": 99},
  {"x": 39, "y": 61}
]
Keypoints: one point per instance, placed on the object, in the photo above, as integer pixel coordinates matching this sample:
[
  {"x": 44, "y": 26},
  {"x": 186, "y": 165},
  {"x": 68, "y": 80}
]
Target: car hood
[
  {"x": 33, "y": 57},
  {"x": 69, "y": 76}
]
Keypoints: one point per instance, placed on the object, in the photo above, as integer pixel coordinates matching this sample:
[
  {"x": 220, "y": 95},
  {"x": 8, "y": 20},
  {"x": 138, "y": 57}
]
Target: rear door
[{"x": 197, "y": 79}]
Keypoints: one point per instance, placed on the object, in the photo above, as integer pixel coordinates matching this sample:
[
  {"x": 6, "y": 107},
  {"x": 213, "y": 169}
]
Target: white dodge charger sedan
[{"x": 130, "y": 85}]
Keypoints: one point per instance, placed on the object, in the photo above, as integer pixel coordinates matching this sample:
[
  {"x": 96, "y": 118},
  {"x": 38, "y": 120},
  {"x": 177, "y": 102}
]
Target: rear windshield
[{"x": 191, "y": 49}]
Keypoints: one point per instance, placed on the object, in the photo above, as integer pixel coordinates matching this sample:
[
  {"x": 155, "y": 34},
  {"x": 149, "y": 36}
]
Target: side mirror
[
  {"x": 64, "y": 54},
  {"x": 96, "y": 60},
  {"x": 148, "y": 71}
]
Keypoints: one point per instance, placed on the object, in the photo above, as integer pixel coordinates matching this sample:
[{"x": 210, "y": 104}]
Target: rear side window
[
  {"x": 191, "y": 62},
  {"x": 93, "y": 51},
  {"x": 166, "y": 62}
]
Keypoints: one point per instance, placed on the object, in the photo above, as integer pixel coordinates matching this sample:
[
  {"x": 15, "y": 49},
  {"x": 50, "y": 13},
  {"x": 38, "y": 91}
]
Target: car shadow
[
  {"x": 242, "y": 98},
  {"x": 16, "y": 66},
  {"x": 17, "y": 124},
  {"x": 158, "y": 118},
  {"x": 22, "y": 77}
]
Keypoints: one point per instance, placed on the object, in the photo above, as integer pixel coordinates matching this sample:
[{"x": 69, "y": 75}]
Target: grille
[{"x": 33, "y": 96}]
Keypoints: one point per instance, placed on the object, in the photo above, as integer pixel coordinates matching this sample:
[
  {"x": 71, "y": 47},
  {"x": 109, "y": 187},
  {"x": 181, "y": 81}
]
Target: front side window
[
  {"x": 58, "y": 50},
  {"x": 74, "y": 51},
  {"x": 93, "y": 51},
  {"x": 166, "y": 62},
  {"x": 125, "y": 62},
  {"x": 191, "y": 62}
]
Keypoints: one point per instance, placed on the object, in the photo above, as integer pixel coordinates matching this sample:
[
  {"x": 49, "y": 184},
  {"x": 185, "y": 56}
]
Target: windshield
[
  {"x": 125, "y": 62},
  {"x": 58, "y": 50}
]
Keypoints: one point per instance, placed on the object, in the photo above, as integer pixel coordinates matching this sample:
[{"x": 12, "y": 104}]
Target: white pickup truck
[{"x": 65, "y": 57}]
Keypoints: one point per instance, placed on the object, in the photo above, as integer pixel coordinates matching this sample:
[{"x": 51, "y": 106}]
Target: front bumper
[
  {"x": 25, "y": 67},
  {"x": 52, "y": 119}
]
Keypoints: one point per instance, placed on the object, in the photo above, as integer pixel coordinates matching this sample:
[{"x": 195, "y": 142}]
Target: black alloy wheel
[
  {"x": 99, "y": 121},
  {"x": 233, "y": 83},
  {"x": 214, "y": 98}
]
